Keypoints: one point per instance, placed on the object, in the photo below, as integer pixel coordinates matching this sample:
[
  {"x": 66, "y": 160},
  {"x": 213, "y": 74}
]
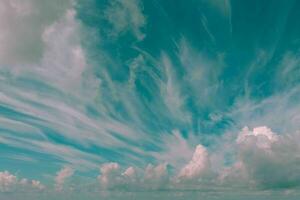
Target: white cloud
[
  {"x": 235, "y": 175},
  {"x": 62, "y": 66},
  {"x": 177, "y": 150},
  {"x": 152, "y": 177},
  {"x": 201, "y": 73},
  {"x": 265, "y": 159},
  {"x": 197, "y": 167},
  {"x": 263, "y": 136},
  {"x": 109, "y": 174},
  {"x": 288, "y": 69},
  {"x": 37, "y": 184},
  {"x": 156, "y": 177},
  {"x": 63, "y": 61},
  {"x": 279, "y": 111},
  {"x": 10, "y": 182},
  {"x": 171, "y": 92},
  {"x": 61, "y": 176},
  {"x": 156, "y": 172},
  {"x": 129, "y": 172},
  {"x": 21, "y": 31},
  {"x": 224, "y": 7},
  {"x": 56, "y": 56},
  {"x": 126, "y": 16},
  {"x": 7, "y": 180}
]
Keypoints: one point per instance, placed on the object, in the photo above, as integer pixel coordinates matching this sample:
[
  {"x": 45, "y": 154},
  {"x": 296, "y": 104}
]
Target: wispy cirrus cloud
[{"x": 126, "y": 16}]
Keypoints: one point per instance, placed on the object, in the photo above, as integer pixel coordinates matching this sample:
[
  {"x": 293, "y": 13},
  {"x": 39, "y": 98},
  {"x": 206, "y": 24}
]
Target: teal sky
[{"x": 149, "y": 99}]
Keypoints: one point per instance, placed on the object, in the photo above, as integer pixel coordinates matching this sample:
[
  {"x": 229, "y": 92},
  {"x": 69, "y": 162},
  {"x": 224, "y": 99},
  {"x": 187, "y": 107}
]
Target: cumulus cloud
[
  {"x": 7, "y": 180},
  {"x": 109, "y": 174},
  {"x": 37, "y": 184},
  {"x": 272, "y": 160},
  {"x": 34, "y": 184},
  {"x": 197, "y": 166},
  {"x": 262, "y": 159},
  {"x": 156, "y": 176},
  {"x": 265, "y": 159},
  {"x": 152, "y": 177},
  {"x": 263, "y": 136},
  {"x": 129, "y": 172},
  {"x": 61, "y": 176},
  {"x": 235, "y": 176},
  {"x": 10, "y": 182}
]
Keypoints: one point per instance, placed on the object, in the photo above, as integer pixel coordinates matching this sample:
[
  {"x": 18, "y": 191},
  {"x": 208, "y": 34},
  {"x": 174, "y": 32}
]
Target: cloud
[
  {"x": 224, "y": 7},
  {"x": 262, "y": 159},
  {"x": 20, "y": 31},
  {"x": 271, "y": 160},
  {"x": 156, "y": 176},
  {"x": 172, "y": 94},
  {"x": 129, "y": 172},
  {"x": 152, "y": 177},
  {"x": 253, "y": 113},
  {"x": 201, "y": 78},
  {"x": 197, "y": 167},
  {"x": 235, "y": 175},
  {"x": 61, "y": 176},
  {"x": 126, "y": 16},
  {"x": 63, "y": 61},
  {"x": 112, "y": 177},
  {"x": 109, "y": 174},
  {"x": 58, "y": 59},
  {"x": 288, "y": 69},
  {"x": 52, "y": 101},
  {"x": 10, "y": 182},
  {"x": 176, "y": 150},
  {"x": 7, "y": 180},
  {"x": 64, "y": 153},
  {"x": 37, "y": 184},
  {"x": 34, "y": 184},
  {"x": 56, "y": 91},
  {"x": 263, "y": 137}
]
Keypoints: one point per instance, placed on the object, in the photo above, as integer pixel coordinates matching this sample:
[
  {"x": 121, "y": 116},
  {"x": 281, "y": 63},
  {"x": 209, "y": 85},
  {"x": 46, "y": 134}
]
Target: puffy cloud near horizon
[
  {"x": 264, "y": 159},
  {"x": 152, "y": 177},
  {"x": 10, "y": 182},
  {"x": 109, "y": 174},
  {"x": 198, "y": 166},
  {"x": 156, "y": 177},
  {"x": 6, "y": 181},
  {"x": 61, "y": 176},
  {"x": 271, "y": 160}
]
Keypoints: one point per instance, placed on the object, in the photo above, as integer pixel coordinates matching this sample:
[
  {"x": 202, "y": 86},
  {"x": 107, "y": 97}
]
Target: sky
[{"x": 149, "y": 99}]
